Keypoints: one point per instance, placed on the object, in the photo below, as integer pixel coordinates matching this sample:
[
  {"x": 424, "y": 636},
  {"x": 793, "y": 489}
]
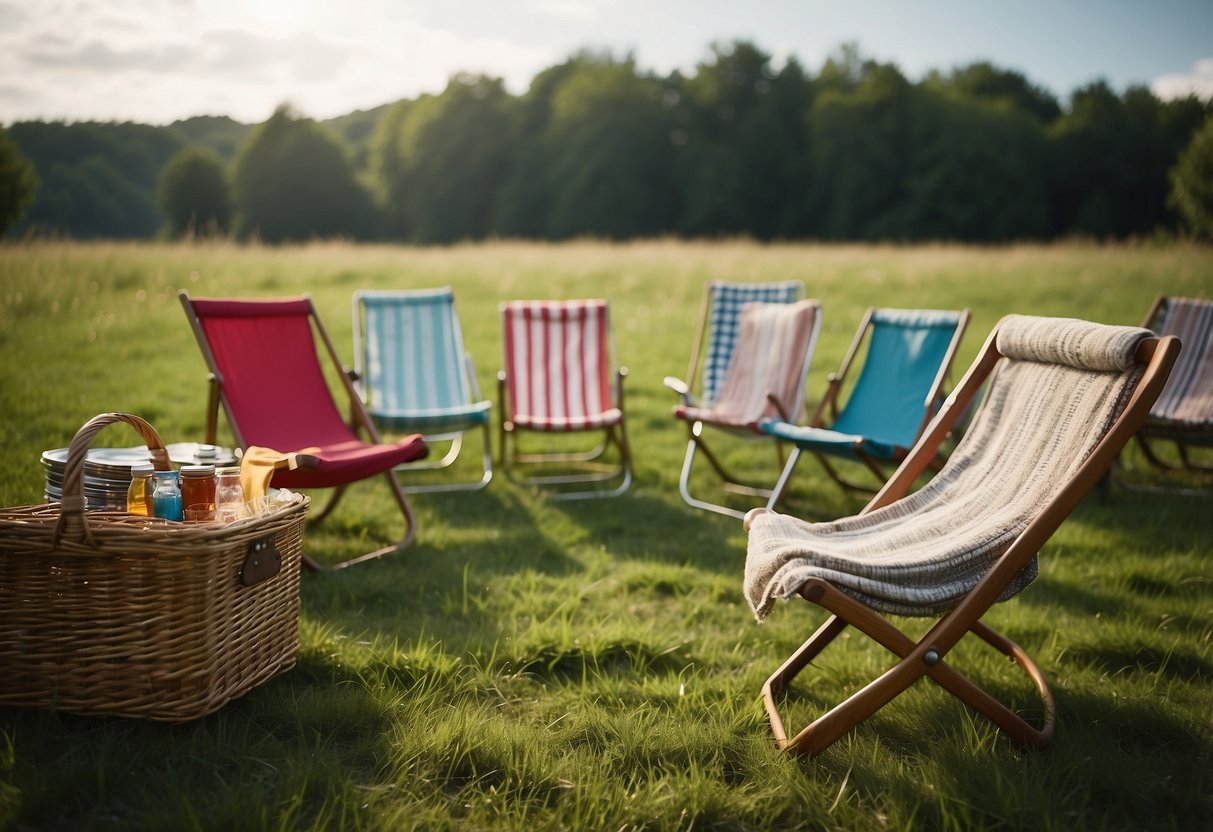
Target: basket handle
[{"x": 72, "y": 520}]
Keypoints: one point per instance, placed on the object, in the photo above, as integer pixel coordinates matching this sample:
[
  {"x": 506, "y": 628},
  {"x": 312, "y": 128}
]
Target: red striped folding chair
[
  {"x": 266, "y": 372},
  {"x": 560, "y": 377}
]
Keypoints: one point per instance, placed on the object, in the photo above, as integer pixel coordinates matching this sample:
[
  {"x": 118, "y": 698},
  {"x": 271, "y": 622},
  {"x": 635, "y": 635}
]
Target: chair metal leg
[
  {"x": 695, "y": 444},
  {"x": 463, "y": 485}
]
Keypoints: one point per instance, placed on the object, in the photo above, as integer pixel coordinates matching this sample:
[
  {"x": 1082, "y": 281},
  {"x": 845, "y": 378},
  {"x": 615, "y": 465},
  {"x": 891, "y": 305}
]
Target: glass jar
[
  {"x": 139, "y": 493},
  {"x": 229, "y": 495},
  {"x": 166, "y": 496},
  {"x": 198, "y": 492}
]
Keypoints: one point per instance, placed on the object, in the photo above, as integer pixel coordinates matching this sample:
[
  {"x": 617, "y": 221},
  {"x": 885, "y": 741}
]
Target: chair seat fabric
[
  {"x": 1186, "y": 402},
  {"x": 584, "y": 421},
  {"x": 436, "y": 420},
  {"x": 1049, "y": 402},
  {"x": 346, "y": 462},
  {"x": 825, "y": 441}
]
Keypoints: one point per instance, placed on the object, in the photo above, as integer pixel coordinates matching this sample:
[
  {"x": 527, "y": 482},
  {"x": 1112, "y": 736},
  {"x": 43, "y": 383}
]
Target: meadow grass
[{"x": 539, "y": 664}]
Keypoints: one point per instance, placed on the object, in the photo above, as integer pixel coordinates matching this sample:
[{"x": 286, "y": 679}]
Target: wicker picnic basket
[{"x": 109, "y": 613}]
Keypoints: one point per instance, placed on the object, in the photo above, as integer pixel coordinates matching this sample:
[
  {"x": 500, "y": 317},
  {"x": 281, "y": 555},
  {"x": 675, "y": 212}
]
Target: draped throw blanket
[
  {"x": 770, "y": 357},
  {"x": 1051, "y": 399}
]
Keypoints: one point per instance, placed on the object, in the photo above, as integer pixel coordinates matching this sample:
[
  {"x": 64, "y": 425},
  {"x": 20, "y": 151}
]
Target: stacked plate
[{"x": 107, "y": 471}]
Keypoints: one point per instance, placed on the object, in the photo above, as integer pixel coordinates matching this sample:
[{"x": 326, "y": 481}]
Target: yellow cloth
[{"x": 257, "y": 467}]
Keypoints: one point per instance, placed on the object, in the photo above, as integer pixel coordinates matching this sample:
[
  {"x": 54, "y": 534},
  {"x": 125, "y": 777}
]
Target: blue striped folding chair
[
  {"x": 899, "y": 389},
  {"x": 414, "y": 375}
]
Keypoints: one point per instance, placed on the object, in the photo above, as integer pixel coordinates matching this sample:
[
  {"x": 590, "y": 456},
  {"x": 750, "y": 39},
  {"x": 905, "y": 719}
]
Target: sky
[{"x": 157, "y": 61}]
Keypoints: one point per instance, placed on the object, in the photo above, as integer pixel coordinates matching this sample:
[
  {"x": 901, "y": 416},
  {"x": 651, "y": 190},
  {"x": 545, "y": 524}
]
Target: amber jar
[{"x": 198, "y": 492}]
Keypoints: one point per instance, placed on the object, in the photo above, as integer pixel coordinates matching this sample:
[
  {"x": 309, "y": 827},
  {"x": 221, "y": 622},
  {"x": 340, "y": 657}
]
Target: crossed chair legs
[{"x": 917, "y": 659}]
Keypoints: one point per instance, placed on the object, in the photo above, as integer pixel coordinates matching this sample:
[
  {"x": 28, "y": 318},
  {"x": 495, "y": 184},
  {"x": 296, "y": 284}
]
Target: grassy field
[{"x": 537, "y": 664}]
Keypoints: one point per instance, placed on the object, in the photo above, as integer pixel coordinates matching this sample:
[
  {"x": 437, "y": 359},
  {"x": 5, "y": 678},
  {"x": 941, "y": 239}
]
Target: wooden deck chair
[
  {"x": 899, "y": 388},
  {"x": 1063, "y": 398},
  {"x": 266, "y": 372},
  {"x": 560, "y": 376},
  {"x": 414, "y": 376},
  {"x": 765, "y": 378},
  {"x": 1183, "y": 414}
]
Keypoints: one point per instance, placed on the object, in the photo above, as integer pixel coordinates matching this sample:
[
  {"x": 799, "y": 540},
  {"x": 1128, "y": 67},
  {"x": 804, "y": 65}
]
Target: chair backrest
[
  {"x": 770, "y": 358},
  {"x": 1187, "y": 398},
  {"x": 909, "y": 352},
  {"x": 408, "y": 351},
  {"x": 558, "y": 358},
  {"x": 273, "y": 385},
  {"x": 722, "y": 319},
  {"x": 1062, "y": 398}
]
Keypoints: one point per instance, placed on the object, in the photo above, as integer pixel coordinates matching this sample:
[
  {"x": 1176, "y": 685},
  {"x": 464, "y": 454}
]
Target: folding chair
[
  {"x": 560, "y": 377},
  {"x": 765, "y": 377},
  {"x": 414, "y": 376},
  {"x": 899, "y": 389},
  {"x": 1183, "y": 414},
  {"x": 266, "y": 372},
  {"x": 1063, "y": 398}
]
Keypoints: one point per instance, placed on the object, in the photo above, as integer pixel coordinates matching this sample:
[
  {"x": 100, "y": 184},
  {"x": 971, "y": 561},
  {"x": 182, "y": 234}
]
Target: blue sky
[{"x": 160, "y": 60}]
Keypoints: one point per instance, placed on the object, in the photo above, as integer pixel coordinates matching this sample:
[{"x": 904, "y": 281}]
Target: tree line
[{"x": 597, "y": 146}]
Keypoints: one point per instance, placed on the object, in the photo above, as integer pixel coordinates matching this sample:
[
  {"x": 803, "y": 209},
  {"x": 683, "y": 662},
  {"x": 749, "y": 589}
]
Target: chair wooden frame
[
  {"x": 359, "y": 420},
  {"x": 925, "y": 656},
  {"x": 592, "y": 469},
  {"x": 454, "y": 436},
  {"x": 828, "y": 412}
]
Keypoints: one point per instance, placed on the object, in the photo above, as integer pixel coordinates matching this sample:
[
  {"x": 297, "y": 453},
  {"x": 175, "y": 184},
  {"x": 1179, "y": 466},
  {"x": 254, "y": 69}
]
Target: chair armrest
[
  {"x": 680, "y": 387},
  {"x": 620, "y": 375}
]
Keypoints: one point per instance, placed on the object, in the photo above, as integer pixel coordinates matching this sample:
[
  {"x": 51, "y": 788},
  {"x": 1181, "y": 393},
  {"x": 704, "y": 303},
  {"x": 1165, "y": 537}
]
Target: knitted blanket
[{"x": 1049, "y": 401}]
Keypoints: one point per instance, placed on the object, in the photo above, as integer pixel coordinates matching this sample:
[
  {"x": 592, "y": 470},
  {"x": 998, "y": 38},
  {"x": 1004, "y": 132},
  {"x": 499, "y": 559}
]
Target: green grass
[{"x": 537, "y": 664}]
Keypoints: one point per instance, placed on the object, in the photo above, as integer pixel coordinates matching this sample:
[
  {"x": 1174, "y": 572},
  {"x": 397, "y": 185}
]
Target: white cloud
[
  {"x": 1198, "y": 82},
  {"x": 160, "y": 60}
]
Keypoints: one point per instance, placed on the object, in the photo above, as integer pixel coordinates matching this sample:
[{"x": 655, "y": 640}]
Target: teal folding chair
[
  {"x": 412, "y": 372},
  {"x": 899, "y": 389}
]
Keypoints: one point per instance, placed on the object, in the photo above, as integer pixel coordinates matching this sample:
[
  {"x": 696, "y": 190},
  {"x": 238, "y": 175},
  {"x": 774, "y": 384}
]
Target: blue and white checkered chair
[
  {"x": 413, "y": 374},
  {"x": 714, "y": 345}
]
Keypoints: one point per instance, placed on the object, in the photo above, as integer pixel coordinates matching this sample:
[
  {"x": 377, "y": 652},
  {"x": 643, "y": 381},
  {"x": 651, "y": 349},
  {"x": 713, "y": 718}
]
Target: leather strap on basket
[{"x": 72, "y": 522}]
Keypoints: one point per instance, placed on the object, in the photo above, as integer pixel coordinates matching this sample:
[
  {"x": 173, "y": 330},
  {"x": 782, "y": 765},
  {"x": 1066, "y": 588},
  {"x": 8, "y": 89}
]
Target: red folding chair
[{"x": 266, "y": 372}]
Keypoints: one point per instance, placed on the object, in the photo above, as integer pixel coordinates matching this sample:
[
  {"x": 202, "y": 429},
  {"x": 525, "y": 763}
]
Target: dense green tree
[
  {"x": 448, "y": 158},
  {"x": 194, "y": 194},
  {"x": 609, "y": 152},
  {"x": 18, "y": 182},
  {"x": 975, "y": 171},
  {"x": 859, "y": 140},
  {"x": 742, "y": 160},
  {"x": 293, "y": 181},
  {"x": 98, "y": 180},
  {"x": 1192, "y": 183},
  {"x": 524, "y": 197},
  {"x": 1003, "y": 88},
  {"x": 221, "y": 135},
  {"x": 386, "y": 165},
  {"x": 1110, "y": 160}
]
